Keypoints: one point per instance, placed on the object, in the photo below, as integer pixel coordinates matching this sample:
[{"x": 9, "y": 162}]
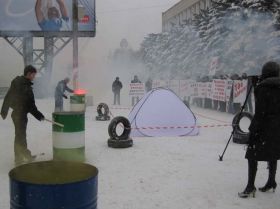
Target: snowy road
[{"x": 156, "y": 173}]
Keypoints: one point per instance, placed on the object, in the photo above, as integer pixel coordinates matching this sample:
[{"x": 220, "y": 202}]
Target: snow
[{"x": 165, "y": 173}]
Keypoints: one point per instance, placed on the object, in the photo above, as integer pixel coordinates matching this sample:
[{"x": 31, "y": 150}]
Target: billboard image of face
[{"x": 46, "y": 15}]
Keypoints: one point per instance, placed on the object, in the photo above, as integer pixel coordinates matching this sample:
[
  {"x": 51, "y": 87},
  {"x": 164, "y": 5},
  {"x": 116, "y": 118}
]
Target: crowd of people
[
  {"x": 117, "y": 86},
  {"x": 223, "y": 106}
]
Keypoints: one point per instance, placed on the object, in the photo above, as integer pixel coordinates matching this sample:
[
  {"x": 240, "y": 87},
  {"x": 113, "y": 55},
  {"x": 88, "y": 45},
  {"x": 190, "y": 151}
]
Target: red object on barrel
[{"x": 80, "y": 91}]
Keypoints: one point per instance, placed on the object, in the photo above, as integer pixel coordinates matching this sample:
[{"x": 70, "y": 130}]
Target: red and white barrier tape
[
  {"x": 183, "y": 127},
  {"x": 177, "y": 127},
  {"x": 203, "y": 116},
  {"x": 210, "y": 118},
  {"x": 121, "y": 108}
]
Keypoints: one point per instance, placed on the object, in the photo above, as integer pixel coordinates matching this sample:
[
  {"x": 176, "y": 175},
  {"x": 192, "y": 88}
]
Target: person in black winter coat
[
  {"x": 116, "y": 88},
  {"x": 264, "y": 140},
  {"x": 61, "y": 87},
  {"x": 20, "y": 98}
]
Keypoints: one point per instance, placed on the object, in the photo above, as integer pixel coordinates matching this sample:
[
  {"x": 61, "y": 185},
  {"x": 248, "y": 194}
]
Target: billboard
[{"x": 43, "y": 17}]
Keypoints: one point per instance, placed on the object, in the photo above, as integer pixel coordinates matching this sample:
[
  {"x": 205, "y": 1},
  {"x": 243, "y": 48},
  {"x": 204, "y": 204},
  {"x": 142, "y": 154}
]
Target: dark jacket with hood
[
  {"x": 20, "y": 98},
  {"x": 264, "y": 141}
]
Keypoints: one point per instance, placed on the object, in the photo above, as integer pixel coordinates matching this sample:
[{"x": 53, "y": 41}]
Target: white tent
[{"x": 161, "y": 112}]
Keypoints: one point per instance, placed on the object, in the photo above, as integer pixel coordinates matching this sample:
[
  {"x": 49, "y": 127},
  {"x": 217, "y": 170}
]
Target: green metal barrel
[
  {"x": 69, "y": 141},
  {"x": 78, "y": 102}
]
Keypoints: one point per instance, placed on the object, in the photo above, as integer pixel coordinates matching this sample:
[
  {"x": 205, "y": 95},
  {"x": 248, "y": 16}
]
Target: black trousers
[
  {"x": 117, "y": 98},
  {"x": 252, "y": 170},
  {"x": 20, "y": 144}
]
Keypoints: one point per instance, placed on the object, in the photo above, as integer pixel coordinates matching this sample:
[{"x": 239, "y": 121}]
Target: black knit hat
[{"x": 270, "y": 69}]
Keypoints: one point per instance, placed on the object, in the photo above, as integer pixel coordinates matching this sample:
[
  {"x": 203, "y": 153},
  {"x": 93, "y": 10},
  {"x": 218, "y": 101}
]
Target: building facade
[{"x": 182, "y": 13}]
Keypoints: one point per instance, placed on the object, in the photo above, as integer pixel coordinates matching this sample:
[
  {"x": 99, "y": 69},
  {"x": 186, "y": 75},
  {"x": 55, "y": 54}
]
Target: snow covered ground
[{"x": 156, "y": 173}]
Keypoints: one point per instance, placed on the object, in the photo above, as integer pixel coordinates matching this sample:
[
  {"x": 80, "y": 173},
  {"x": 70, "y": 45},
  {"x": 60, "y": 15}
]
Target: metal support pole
[
  {"x": 27, "y": 45},
  {"x": 75, "y": 45},
  {"x": 48, "y": 57}
]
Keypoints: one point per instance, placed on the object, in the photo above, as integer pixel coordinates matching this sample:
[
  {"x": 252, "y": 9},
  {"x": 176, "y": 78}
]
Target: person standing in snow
[
  {"x": 149, "y": 85},
  {"x": 135, "y": 80},
  {"x": 61, "y": 87},
  {"x": 116, "y": 88},
  {"x": 249, "y": 105},
  {"x": 20, "y": 98},
  {"x": 234, "y": 107},
  {"x": 264, "y": 140}
]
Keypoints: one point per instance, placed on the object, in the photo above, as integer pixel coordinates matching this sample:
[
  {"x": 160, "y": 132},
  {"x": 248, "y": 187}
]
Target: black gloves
[
  {"x": 65, "y": 96},
  {"x": 4, "y": 115},
  {"x": 4, "y": 111},
  {"x": 39, "y": 116}
]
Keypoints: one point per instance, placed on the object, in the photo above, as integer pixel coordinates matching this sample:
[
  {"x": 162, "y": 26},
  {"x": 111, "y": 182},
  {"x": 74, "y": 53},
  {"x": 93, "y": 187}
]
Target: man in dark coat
[
  {"x": 59, "y": 94},
  {"x": 116, "y": 88},
  {"x": 20, "y": 98},
  {"x": 264, "y": 140}
]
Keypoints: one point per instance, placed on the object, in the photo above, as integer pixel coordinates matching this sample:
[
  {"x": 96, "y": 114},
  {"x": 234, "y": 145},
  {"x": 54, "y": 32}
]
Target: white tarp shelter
[{"x": 162, "y": 113}]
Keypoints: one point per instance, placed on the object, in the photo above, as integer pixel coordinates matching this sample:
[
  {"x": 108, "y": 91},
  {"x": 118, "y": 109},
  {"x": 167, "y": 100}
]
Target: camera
[{"x": 255, "y": 79}]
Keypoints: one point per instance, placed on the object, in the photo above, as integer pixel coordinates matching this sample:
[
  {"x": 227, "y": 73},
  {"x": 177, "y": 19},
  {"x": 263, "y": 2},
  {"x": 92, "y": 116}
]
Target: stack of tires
[
  {"x": 239, "y": 136},
  {"x": 102, "y": 111},
  {"x": 123, "y": 140}
]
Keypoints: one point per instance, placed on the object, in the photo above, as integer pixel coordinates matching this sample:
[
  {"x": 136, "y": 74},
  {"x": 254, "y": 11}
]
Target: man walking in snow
[
  {"x": 20, "y": 98},
  {"x": 59, "y": 94},
  {"x": 116, "y": 88}
]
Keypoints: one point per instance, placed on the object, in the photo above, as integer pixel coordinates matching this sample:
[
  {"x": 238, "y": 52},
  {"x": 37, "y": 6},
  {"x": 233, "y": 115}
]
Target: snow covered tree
[{"x": 243, "y": 34}]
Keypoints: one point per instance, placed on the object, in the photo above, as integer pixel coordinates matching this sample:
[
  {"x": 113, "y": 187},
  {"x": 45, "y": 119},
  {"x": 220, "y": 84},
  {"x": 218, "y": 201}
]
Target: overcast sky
[{"x": 131, "y": 19}]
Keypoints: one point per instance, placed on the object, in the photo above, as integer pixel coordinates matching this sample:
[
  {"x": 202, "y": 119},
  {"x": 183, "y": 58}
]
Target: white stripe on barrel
[
  {"x": 69, "y": 141},
  {"x": 77, "y": 102}
]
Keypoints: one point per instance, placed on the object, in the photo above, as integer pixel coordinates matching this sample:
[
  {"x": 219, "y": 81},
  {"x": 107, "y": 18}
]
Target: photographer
[{"x": 264, "y": 140}]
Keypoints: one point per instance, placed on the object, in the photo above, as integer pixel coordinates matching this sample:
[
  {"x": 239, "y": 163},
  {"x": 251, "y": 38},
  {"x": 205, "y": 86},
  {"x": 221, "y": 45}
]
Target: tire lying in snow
[
  {"x": 239, "y": 136},
  {"x": 102, "y": 116},
  {"x": 123, "y": 140}
]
